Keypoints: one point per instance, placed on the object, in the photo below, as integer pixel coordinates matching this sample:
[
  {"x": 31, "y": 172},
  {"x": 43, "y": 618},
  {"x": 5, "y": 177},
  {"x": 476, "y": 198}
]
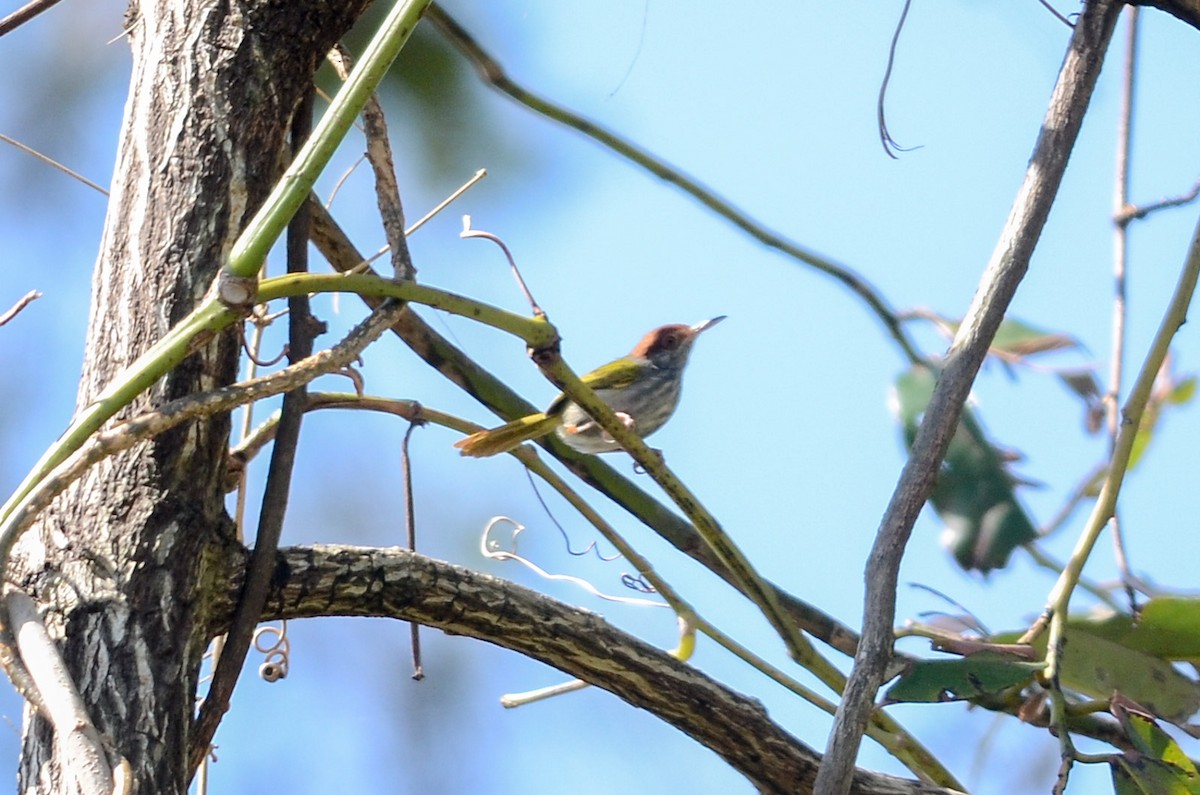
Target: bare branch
[
  {"x": 363, "y": 581},
  {"x": 83, "y": 751},
  {"x": 1010, "y": 260},
  {"x": 460, "y": 369},
  {"x": 25, "y": 13},
  {"x": 16, "y": 308},
  {"x": 51, "y": 161},
  {"x": 1185, "y": 10},
  {"x": 1131, "y": 212},
  {"x": 491, "y": 72},
  {"x": 379, "y": 155}
]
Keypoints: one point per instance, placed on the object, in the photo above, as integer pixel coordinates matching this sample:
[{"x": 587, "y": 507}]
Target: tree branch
[
  {"x": 302, "y": 328},
  {"x": 1186, "y": 10},
  {"x": 84, "y": 759},
  {"x": 492, "y": 73},
  {"x": 1009, "y": 261},
  {"x": 395, "y": 583},
  {"x": 461, "y": 370}
]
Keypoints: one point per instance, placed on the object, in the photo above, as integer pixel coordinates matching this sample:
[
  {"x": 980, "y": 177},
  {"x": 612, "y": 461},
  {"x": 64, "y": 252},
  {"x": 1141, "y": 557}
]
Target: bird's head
[{"x": 667, "y": 347}]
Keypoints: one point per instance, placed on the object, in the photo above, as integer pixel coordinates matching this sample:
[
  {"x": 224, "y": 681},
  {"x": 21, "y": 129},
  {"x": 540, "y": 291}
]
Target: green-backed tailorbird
[{"x": 642, "y": 388}]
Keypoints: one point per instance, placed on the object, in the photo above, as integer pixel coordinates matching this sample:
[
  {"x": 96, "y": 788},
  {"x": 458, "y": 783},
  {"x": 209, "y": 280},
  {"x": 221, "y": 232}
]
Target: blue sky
[{"x": 783, "y": 430}]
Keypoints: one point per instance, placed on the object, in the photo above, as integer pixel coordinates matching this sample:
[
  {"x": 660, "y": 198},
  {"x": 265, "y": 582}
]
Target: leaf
[
  {"x": 1166, "y": 392},
  {"x": 974, "y": 494},
  {"x": 1166, "y": 627},
  {"x": 1142, "y": 775},
  {"x": 1183, "y": 392},
  {"x": 984, "y": 673},
  {"x": 1149, "y": 738},
  {"x": 1084, "y": 384},
  {"x": 1021, "y": 339},
  {"x": 1158, "y": 764},
  {"x": 1098, "y": 667}
]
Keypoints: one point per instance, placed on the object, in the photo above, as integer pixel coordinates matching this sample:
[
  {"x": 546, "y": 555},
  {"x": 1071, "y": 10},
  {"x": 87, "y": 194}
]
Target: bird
[{"x": 642, "y": 388}]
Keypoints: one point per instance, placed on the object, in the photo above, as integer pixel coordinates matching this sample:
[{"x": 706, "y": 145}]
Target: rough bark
[
  {"x": 364, "y": 581},
  {"x": 121, "y": 560}
]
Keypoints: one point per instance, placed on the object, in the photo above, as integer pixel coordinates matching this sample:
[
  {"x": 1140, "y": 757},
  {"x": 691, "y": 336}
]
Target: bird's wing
[
  {"x": 617, "y": 374},
  {"x": 614, "y": 375}
]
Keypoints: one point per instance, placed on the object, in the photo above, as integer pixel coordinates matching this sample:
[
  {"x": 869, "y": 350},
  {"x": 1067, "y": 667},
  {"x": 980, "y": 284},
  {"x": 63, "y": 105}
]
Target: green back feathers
[
  {"x": 617, "y": 374},
  {"x": 614, "y": 375}
]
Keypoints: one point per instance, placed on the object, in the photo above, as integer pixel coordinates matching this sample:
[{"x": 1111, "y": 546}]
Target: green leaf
[
  {"x": 1150, "y": 739},
  {"x": 984, "y": 673},
  {"x": 974, "y": 494},
  {"x": 1021, "y": 339},
  {"x": 1099, "y": 667},
  {"x": 1166, "y": 627},
  {"x": 1183, "y": 392},
  {"x": 1142, "y": 775},
  {"x": 1167, "y": 392}
]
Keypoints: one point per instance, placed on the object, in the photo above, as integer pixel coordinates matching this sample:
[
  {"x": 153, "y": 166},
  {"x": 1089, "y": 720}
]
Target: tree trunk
[{"x": 121, "y": 560}]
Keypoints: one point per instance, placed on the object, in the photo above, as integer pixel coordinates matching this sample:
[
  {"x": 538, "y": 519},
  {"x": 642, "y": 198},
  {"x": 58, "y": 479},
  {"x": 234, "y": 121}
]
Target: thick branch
[
  {"x": 460, "y": 369},
  {"x": 1010, "y": 260},
  {"x": 1186, "y": 10},
  {"x": 396, "y": 583}
]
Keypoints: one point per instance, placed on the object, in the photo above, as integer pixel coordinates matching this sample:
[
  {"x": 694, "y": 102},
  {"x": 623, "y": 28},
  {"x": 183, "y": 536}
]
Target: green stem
[
  {"x": 883, "y": 728},
  {"x": 211, "y": 317},
  {"x": 1175, "y": 317},
  {"x": 492, "y": 73},
  {"x": 536, "y": 332},
  {"x": 137, "y": 377},
  {"x": 1060, "y": 596},
  {"x": 293, "y": 188},
  {"x": 727, "y": 552}
]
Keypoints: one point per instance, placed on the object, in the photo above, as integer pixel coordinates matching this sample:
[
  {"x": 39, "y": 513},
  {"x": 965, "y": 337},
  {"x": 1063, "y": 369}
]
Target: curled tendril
[
  {"x": 468, "y": 232},
  {"x": 636, "y": 582},
  {"x": 273, "y": 642},
  {"x": 252, "y": 355},
  {"x": 493, "y": 549},
  {"x": 592, "y": 547}
]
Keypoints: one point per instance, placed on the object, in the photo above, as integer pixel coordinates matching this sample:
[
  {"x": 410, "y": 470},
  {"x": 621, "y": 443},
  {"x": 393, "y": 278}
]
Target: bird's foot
[{"x": 625, "y": 419}]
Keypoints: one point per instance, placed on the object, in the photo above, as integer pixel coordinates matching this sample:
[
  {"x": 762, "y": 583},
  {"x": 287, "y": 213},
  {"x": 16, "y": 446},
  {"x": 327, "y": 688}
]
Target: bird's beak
[{"x": 706, "y": 324}]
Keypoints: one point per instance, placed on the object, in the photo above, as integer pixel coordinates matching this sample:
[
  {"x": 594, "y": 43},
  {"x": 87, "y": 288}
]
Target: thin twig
[
  {"x": 1008, "y": 264},
  {"x": 379, "y": 155},
  {"x": 51, "y": 161},
  {"x": 885, "y": 137},
  {"x": 468, "y": 232},
  {"x": 302, "y": 328},
  {"x": 25, "y": 13},
  {"x": 1059, "y": 600},
  {"x": 444, "y": 203},
  {"x": 410, "y": 526},
  {"x": 493, "y": 74},
  {"x": 25, "y": 301},
  {"x": 424, "y": 219},
  {"x": 1086, "y": 486},
  {"x": 1043, "y": 559},
  {"x": 1120, "y": 264},
  {"x": 1057, "y": 14},
  {"x": 85, "y": 763},
  {"x": 1132, "y": 212}
]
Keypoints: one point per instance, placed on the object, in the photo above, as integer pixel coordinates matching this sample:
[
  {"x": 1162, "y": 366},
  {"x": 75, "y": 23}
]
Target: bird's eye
[{"x": 671, "y": 341}]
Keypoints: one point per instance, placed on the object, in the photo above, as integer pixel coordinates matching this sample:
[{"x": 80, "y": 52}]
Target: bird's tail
[{"x": 507, "y": 436}]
